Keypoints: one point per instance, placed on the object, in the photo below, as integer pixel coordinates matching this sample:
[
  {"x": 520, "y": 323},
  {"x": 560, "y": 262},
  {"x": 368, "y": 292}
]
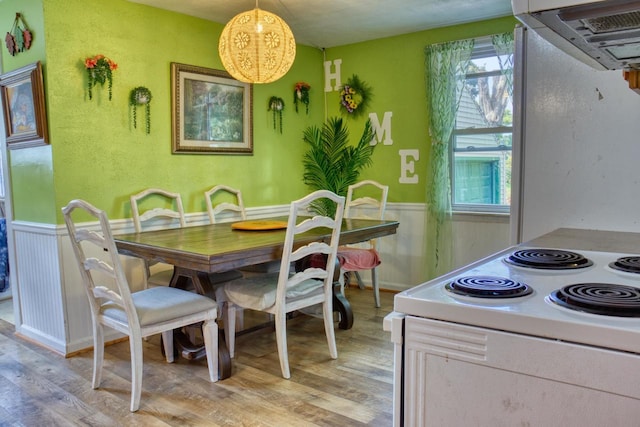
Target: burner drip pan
[
  {"x": 629, "y": 264},
  {"x": 488, "y": 287},
  {"x": 599, "y": 298},
  {"x": 548, "y": 259}
]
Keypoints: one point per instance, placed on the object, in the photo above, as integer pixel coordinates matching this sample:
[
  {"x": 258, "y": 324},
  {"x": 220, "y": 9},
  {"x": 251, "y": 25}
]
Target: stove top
[{"x": 539, "y": 301}]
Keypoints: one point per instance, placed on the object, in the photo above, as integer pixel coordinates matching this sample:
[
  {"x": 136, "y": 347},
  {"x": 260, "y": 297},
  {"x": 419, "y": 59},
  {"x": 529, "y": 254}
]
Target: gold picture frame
[
  {"x": 211, "y": 112},
  {"x": 25, "y": 116}
]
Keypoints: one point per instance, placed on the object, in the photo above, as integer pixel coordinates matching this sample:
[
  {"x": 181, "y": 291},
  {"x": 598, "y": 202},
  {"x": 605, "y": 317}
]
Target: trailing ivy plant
[
  {"x": 100, "y": 70},
  {"x": 331, "y": 163},
  {"x": 301, "y": 95},
  {"x": 276, "y": 105},
  {"x": 141, "y": 96}
]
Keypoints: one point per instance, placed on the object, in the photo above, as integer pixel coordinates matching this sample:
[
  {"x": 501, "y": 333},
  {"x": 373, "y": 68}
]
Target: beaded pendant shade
[{"x": 257, "y": 46}]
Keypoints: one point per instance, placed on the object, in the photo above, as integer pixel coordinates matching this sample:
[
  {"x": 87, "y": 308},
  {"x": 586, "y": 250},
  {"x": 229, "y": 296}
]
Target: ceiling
[{"x": 330, "y": 23}]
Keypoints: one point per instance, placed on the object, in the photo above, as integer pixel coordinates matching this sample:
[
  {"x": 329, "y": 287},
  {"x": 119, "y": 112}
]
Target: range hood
[{"x": 604, "y": 34}]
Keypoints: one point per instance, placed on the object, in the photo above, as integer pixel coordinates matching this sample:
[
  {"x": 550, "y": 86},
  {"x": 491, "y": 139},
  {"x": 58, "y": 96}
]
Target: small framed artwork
[
  {"x": 211, "y": 112},
  {"x": 25, "y": 117}
]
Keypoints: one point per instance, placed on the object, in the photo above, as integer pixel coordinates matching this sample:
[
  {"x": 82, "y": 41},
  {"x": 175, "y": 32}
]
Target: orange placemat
[{"x": 259, "y": 225}]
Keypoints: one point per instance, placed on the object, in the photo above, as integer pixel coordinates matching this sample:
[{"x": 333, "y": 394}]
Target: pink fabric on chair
[
  {"x": 356, "y": 259},
  {"x": 351, "y": 259}
]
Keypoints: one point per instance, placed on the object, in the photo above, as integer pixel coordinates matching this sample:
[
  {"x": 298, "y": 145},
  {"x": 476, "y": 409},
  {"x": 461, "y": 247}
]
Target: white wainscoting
[
  {"x": 402, "y": 254},
  {"x": 52, "y": 302},
  {"x": 50, "y": 296},
  {"x": 477, "y": 236},
  {"x": 38, "y": 280}
]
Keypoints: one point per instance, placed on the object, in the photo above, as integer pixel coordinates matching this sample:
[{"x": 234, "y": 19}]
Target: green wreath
[{"x": 355, "y": 96}]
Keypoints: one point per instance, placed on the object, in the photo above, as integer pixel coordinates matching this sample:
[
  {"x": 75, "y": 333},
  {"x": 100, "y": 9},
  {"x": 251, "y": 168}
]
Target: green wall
[
  {"x": 31, "y": 169},
  {"x": 394, "y": 67},
  {"x": 96, "y": 154}
]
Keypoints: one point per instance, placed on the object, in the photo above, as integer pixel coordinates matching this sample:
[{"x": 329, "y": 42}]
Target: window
[{"x": 482, "y": 138}]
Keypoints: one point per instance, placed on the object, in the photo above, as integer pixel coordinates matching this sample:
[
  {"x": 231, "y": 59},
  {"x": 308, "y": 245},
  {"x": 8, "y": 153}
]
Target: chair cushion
[
  {"x": 355, "y": 259},
  {"x": 161, "y": 304},
  {"x": 259, "y": 292}
]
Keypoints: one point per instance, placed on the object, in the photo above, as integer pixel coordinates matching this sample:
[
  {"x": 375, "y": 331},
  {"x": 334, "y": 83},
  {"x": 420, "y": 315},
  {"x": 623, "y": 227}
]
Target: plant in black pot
[{"x": 331, "y": 163}]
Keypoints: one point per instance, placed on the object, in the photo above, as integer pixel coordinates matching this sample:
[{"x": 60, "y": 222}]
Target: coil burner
[
  {"x": 599, "y": 298},
  {"x": 548, "y": 259},
  {"x": 628, "y": 264},
  {"x": 488, "y": 287}
]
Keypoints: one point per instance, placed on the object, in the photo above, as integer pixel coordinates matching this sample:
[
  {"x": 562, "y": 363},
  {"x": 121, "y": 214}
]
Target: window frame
[{"x": 483, "y": 48}]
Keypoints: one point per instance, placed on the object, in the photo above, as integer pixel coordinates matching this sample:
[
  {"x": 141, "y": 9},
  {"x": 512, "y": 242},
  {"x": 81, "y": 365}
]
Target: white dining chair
[
  {"x": 140, "y": 314},
  {"x": 157, "y": 207},
  {"x": 286, "y": 291},
  {"x": 225, "y": 204},
  {"x": 365, "y": 199}
]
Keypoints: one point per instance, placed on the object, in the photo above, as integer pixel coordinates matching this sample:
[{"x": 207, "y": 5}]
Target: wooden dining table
[{"x": 196, "y": 251}]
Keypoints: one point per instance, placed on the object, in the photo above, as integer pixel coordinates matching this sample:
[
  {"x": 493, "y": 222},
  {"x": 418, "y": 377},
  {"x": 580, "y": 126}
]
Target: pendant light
[{"x": 257, "y": 46}]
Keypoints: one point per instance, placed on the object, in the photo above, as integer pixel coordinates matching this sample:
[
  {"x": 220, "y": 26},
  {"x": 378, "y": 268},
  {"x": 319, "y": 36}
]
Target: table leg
[
  {"x": 181, "y": 279},
  {"x": 342, "y": 306}
]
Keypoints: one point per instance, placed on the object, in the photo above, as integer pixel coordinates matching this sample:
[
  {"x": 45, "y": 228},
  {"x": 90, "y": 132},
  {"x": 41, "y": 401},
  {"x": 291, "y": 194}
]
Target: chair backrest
[
  {"x": 377, "y": 204},
  {"x": 217, "y": 203},
  {"x": 296, "y": 226},
  {"x": 100, "y": 268},
  {"x": 162, "y": 197}
]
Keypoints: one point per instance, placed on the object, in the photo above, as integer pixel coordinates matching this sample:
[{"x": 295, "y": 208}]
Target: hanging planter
[
  {"x": 141, "y": 96},
  {"x": 19, "y": 38},
  {"x": 301, "y": 95},
  {"x": 100, "y": 70},
  {"x": 276, "y": 105}
]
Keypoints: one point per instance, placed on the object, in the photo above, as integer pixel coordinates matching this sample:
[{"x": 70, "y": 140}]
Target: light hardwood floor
[
  {"x": 38, "y": 387},
  {"x": 6, "y": 310}
]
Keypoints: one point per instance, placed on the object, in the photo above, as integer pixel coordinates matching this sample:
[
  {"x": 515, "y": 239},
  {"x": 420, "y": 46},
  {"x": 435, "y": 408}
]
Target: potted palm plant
[{"x": 331, "y": 163}]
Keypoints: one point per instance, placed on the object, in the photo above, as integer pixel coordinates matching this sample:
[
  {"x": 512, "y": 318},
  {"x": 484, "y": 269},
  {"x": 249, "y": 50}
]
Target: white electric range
[{"x": 528, "y": 336}]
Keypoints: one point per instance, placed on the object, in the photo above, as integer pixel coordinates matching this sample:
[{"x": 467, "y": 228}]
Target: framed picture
[
  {"x": 25, "y": 117},
  {"x": 211, "y": 111}
]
